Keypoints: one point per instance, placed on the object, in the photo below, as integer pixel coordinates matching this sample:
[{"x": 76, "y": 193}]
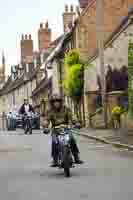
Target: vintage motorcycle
[
  {"x": 62, "y": 137},
  {"x": 27, "y": 123}
]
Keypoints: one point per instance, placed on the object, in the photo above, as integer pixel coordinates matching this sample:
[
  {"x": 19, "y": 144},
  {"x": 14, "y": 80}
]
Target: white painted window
[
  {"x": 42, "y": 58},
  {"x": 27, "y": 68},
  {"x": 35, "y": 62}
]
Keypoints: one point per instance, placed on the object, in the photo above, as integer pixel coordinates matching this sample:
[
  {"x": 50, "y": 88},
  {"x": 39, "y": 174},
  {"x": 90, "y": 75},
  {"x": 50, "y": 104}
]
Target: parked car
[{"x": 11, "y": 121}]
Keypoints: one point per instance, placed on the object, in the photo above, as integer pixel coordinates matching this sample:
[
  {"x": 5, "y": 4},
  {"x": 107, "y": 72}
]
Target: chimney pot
[
  {"x": 30, "y": 37},
  {"x": 66, "y": 8},
  {"x": 26, "y": 37},
  {"x": 41, "y": 25},
  {"x": 46, "y": 25},
  {"x": 22, "y": 37},
  {"x": 77, "y": 9},
  {"x": 71, "y": 8}
]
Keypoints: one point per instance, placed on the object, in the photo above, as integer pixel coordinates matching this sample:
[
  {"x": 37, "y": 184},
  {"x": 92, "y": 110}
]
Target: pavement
[
  {"x": 105, "y": 175},
  {"x": 121, "y": 138}
]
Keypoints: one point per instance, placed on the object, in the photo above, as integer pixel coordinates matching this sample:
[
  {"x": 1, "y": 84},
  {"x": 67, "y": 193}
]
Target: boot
[
  {"x": 77, "y": 159},
  {"x": 54, "y": 164}
]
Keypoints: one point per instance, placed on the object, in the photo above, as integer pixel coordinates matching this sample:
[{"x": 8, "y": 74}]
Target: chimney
[
  {"x": 26, "y": 46},
  {"x": 78, "y": 10},
  {"x": 30, "y": 37},
  {"x": 68, "y": 17},
  {"x": 22, "y": 37},
  {"x": 41, "y": 25},
  {"x": 44, "y": 37},
  {"x": 83, "y": 3}
]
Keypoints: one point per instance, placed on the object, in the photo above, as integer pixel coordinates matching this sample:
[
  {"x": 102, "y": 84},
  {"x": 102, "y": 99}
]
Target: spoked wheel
[
  {"x": 30, "y": 131},
  {"x": 25, "y": 129},
  {"x": 66, "y": 162}
]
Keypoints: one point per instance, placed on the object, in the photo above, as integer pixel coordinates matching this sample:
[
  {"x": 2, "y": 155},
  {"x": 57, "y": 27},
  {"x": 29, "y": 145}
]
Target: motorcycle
[
  {"x": 63, "y": 141},
  {"x": 28, "y": 123}
]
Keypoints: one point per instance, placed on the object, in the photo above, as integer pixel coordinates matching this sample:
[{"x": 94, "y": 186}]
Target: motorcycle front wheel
[{"x": 66, "y": 161}]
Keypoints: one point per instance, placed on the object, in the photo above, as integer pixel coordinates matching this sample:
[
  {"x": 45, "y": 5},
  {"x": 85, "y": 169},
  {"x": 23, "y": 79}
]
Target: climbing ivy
[
  {"x": 73, "y": 79},
  {"x": 130, "y": 79}
]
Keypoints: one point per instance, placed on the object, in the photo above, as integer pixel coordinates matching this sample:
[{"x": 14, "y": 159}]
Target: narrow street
[{"x": 25, "y": 173}]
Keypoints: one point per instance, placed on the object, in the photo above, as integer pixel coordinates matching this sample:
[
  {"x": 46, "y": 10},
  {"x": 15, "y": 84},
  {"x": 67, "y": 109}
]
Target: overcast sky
[{"x": 24, "y": 16}]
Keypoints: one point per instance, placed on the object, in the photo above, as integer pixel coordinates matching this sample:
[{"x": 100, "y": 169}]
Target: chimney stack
[
  {"x": 68, "y": 17},
  {"x": 26, "y": 46},
  {"x": 84, "y": 3},
  {"x": 44, "y": 37}
]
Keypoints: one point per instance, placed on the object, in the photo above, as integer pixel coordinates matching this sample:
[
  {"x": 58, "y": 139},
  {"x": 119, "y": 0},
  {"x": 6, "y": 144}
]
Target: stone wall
[
  {"x": 86, "y": 40},
  {"x": 115, "y": 54}
]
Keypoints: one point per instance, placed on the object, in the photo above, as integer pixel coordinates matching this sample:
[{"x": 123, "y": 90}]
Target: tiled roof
[
  {"x": 6, "y": 85},
  {"x": 56, "y": 41},
  {"x": 58, "y": 49},
  {"x": 83, "y": 3},
  {"x": 11, "y": 85},
  {"x": 43, "y": 84}
]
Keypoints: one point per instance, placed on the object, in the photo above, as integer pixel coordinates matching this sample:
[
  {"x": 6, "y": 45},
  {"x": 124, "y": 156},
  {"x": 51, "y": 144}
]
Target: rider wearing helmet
[{"x": 58, "y": 115}]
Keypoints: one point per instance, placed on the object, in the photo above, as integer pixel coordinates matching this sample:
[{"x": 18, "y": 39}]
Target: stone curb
[
  {"x": 105, "y": 141},
  {"x": 15, "y": 149}
]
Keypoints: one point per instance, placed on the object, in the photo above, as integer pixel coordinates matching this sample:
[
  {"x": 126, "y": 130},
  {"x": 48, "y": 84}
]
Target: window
[
  {"x": 27, "y": 68},
  {"x": 82, "y": 38}
]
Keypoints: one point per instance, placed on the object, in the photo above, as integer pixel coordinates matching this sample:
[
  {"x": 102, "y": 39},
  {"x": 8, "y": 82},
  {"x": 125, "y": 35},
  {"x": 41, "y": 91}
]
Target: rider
[
  {"x": 60, "y": 115},
  {"x": 26, "y": 108}
]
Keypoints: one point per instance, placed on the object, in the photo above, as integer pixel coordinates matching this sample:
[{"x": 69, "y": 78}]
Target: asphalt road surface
[{"x": 107, "y": 173}]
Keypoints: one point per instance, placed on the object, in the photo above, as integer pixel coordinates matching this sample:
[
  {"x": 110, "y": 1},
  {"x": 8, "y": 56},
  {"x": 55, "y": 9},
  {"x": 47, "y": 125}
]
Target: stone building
[
  {"x": 48, "y": 83},
  {"x": 26, "y": 76},
  {"x": 40, "y": 96},
  {"x": 85, "y": 33},
  {"x": 116, "y": 55},
  {"x": 84, "y": 37},
  {"x": 19, "y": 86}
]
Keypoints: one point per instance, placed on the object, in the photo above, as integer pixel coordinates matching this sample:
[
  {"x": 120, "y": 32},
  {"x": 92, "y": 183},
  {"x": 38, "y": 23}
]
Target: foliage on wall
[{"x": 73, "y": 80}]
